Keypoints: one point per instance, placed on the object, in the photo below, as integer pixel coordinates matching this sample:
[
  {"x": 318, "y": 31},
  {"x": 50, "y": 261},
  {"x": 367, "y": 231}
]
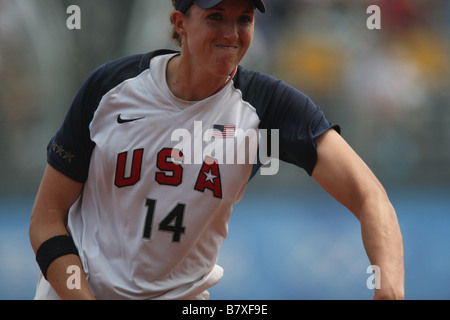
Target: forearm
[
  {"x": 49, "y": 216},
  {"x": 59, "y": 272},
  {"x": 343, "y": 174},
  {"x": 383, "y": 242},
  {"x": 69, "y": 284}
]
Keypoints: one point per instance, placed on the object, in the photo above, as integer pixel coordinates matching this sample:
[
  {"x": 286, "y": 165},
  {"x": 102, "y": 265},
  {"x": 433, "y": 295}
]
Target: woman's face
[{"x": 218, "y": 38}]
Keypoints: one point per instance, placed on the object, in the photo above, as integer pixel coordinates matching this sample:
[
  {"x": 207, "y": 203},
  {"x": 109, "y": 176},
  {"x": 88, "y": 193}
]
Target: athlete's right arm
[{"x": 56, "y": 195}]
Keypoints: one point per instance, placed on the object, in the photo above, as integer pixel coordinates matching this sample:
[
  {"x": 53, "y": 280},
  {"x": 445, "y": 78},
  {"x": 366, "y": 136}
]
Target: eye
[
  {"x": 246, "y": 19},
  {"x": 215, "y": 16}
]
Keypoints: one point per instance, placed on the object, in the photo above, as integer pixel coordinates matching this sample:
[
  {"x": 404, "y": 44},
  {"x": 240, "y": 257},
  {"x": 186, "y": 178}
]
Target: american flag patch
[{"x": 224, "y": 131}]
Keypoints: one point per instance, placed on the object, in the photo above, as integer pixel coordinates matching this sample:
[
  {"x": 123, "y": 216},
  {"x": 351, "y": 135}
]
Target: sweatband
[{"x": 52, "y": 249}]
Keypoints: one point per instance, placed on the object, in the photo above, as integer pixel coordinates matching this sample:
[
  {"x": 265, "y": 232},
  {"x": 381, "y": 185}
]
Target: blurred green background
[{"x": 388, "y": 89}]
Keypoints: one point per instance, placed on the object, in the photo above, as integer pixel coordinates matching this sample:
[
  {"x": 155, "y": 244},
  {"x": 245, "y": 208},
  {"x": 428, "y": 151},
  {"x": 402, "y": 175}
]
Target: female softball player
[{"x": 142, "y": 211}]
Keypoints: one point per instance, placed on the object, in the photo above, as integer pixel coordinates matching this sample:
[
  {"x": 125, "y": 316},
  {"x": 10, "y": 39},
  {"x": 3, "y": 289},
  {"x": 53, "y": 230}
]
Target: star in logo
[
  {"x": 69, "y": 156},
  {"x": 59, "y": 150},
  {"x": 209, "y": 176}
]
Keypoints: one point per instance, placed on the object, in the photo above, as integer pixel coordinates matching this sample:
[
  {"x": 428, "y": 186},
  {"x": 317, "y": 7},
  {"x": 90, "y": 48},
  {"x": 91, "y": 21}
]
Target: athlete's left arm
[{"x": 344, "y": 175}]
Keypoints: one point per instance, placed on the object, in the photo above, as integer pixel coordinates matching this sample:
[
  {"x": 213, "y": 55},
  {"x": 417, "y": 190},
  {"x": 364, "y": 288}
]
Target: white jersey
[{"x": 158, "y": 193}]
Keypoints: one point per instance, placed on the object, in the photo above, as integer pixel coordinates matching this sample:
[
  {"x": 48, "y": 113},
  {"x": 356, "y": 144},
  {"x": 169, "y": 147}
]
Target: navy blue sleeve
[
  {"x": 70, "y": 150},
  {"x": 280, "y": 106}
]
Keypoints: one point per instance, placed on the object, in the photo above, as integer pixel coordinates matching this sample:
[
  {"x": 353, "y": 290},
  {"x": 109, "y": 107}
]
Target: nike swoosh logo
[{"x": 122, "y": 121}]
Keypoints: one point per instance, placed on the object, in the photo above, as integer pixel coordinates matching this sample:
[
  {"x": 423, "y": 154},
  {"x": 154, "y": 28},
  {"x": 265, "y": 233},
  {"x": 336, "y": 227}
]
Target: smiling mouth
[{"x": 226, "y": 47}]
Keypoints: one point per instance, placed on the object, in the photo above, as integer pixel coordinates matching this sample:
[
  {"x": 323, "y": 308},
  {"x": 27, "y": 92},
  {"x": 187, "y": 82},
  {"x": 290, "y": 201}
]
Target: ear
[{"x": 178, "y": 22}]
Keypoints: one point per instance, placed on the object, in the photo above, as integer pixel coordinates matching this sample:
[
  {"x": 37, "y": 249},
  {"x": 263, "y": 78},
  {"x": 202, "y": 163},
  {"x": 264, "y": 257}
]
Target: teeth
[{"x": 226, "y": 47}]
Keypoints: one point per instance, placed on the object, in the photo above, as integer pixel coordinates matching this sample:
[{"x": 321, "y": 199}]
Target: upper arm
[
  {"x": 56, "y": 195},
  {"x": 343, "y": 174},
  {"x": 282, "y": 107}
]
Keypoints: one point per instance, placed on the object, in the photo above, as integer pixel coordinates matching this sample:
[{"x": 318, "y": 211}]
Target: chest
[{"x": 209, "y": 148}]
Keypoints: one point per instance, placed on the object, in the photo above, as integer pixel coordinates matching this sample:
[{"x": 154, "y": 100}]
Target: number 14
[{"x": 173, "y": 222}]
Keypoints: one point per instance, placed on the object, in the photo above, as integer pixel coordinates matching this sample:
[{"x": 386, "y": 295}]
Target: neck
[{"x": 192, "y": 84}]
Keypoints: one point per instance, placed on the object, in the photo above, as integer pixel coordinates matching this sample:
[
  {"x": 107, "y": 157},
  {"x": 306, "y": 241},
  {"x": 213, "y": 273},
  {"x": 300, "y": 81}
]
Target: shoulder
[
  {"x": 258, "y": 84},
  {"x": 254, "y": 82},
  {"x": 133, "y": 64},
  {"x": 109, "y": 75},
  {"x": 114, "y": 72},
  {"x": 270, "y": 95}
]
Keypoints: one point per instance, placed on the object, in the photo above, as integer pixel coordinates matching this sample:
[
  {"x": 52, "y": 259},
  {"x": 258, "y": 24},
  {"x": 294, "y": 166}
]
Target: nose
[{"x": 231, "y": 31}]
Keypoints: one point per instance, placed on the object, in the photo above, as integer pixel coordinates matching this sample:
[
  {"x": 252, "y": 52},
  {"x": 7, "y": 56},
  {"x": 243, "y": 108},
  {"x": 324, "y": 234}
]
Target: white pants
[{"x": 44, "y": 291}]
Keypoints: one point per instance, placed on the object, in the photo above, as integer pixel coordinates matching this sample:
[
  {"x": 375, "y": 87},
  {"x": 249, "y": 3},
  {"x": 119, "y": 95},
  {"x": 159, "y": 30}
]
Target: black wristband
[{"x": 52, "y": 249}]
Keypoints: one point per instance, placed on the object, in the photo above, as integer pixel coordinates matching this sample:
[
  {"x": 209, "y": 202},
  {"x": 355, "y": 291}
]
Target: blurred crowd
[{"x": 388, "y": 88}]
